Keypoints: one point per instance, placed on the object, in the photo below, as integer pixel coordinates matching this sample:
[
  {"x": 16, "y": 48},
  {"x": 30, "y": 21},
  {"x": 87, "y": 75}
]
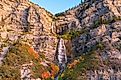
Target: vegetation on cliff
[
  {"x": 77, "y": 69},
  {"x": 20, "y": 54}
]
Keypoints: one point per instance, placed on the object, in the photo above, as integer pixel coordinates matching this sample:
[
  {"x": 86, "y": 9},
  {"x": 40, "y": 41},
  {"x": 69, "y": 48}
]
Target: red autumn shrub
[{"x": 46, "y": 75}]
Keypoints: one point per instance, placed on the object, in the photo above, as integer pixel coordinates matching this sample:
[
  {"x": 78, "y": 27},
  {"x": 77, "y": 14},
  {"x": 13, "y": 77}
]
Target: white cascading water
[
  {"x": 62, "y": 57},
  {"x": 52, "y": 27}
]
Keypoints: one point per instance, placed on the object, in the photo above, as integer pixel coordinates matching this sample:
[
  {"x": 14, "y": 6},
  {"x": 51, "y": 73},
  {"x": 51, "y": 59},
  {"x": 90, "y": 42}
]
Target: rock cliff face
[
  {"x": 98, "y": 23},
  {"x": 25, "y": 21}
]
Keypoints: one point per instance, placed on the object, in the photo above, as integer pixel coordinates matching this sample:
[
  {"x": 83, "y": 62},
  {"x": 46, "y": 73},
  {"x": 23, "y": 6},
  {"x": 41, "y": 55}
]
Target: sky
[{"x": 56, "y": 6}]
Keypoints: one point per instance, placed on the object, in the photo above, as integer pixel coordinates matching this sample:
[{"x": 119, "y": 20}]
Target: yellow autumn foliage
[{"x": 55, "y": 69}]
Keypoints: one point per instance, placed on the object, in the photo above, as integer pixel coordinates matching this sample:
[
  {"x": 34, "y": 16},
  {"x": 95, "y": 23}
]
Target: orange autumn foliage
[
  {"x": 46, "y": 75},
  {"x": 54, "y": 70},
  {"x": 33, "y": 52},
  {"x": 72, "y": 65}
]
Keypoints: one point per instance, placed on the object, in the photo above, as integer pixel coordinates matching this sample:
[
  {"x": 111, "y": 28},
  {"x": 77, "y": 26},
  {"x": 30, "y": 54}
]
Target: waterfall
[
  {"x": 52, "y": 27},
  {"x": 61, "y": 57}
]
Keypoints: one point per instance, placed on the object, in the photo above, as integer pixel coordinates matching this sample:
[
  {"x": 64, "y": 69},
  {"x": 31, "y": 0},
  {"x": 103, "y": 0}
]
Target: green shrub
[
  {"x": 71, "y": 35},
  {"x": 17, "y": 55},
  {"x": 97, "y": 23},
  {"x": 59, "y": 14},
  {"x": 9, "y": 73},
  {"x": 100, "y": 46},
  {"x": 117, "y": 18}
]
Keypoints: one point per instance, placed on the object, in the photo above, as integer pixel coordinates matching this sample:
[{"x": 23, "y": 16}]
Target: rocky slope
[{"x": 91, "y": 30}]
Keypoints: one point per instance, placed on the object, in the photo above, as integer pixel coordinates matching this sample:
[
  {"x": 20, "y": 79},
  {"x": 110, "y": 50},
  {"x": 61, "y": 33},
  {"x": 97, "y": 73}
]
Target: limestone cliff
[
  {"x": 92, "y": 33},
  {"x": 25, "y": 21}
]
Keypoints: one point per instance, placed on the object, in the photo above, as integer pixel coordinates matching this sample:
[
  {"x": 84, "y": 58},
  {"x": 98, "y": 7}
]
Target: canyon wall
[{"x": 93, "y": 26}]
